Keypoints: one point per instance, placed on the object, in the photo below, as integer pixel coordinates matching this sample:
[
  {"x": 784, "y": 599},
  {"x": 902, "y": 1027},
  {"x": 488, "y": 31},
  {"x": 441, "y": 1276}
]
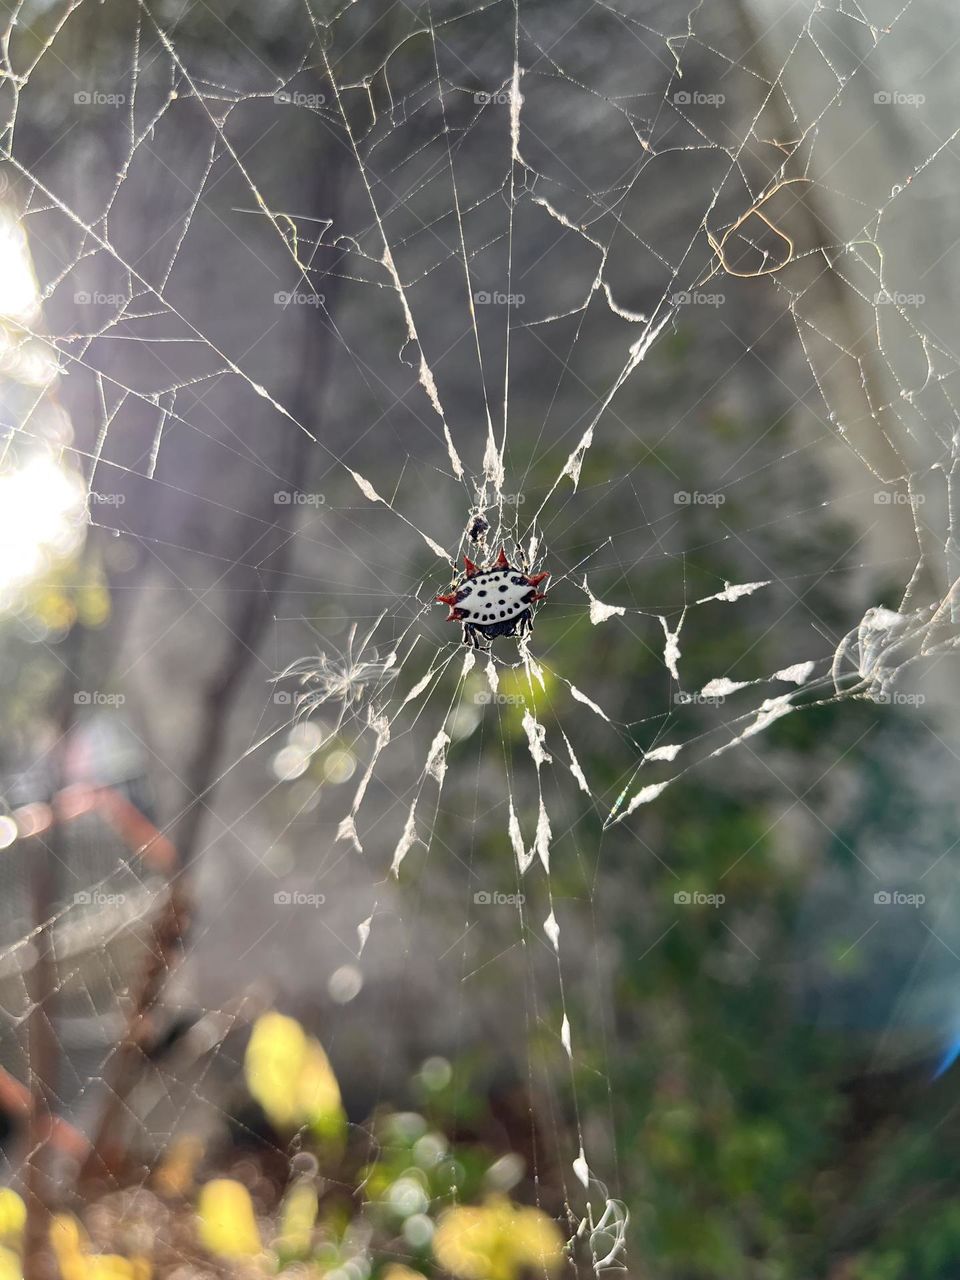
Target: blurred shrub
[{"x": 326, "y": 1210}]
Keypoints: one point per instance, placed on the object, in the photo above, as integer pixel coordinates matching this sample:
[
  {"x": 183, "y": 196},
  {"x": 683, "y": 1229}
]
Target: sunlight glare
[{"x": 41, "y": 510}]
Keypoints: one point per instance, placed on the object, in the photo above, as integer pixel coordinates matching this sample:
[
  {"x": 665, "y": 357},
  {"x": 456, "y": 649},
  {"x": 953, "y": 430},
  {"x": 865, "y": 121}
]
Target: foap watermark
[
  {"x": 298, "y": 898},
  {"x": 486, "y": 697},
  {"x": 697, "y": 298},
  {"x": 696, "y": 898},
  {"x": 499, "y": 99},
  {"x": 694, "y": 98},
  {"x": 683, "y": 699},
  {"x": 897, "y": 298},
  {"x": 697, "y": 498},
  {"x": 897, "y": 498},
  {"x": 896, "y": 98},
  {"x": 293, "y": 298},
  {"x": 97, "y": 898},
  {"x": 98, "y": 499},
  {"x": 95, "y": 698},
  {"x": 95, "y": 98},
  {"x": 896, "y": 698},
  {"x": 897, "y": 898},
  {"x": 294, "y": 98},
  {"x": 96, "y": 298},
  {"x": 486, "y": 298},
  {"x": 488, "y": 898},
  {"x": 295, "y": 498}
]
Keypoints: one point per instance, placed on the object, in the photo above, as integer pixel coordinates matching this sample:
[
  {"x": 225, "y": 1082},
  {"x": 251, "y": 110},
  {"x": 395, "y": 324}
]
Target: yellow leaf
[
  {"x": 272, "y": 1066},
  {"x": 69, "y": 1242},
  {"x": 228, "y": 1225},
  {"x": 318, "y": 1093},
  {"x": 76, "y": 1262},
  {"x": 13, "y": 1216},
  {"x": 297, "y": 1218},
  {"x": 109, "y": 1266},
  {"x": 290, "y": 1076},
  {"x": 9, "y": 1265},
  {"x": 464, "y": 1244},
  {"x": 66, "y": 1234},
  {"x": 537, "y": 1242},
  {"x": 496, "y": 1241}
]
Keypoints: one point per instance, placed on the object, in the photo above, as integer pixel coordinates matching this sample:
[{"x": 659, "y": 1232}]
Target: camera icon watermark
[
  {"x": 97, "y": 298},
  {"x": 499, "y": 99},
  {"x": 896, "y": 898},
  {"x": 297, "y": 898},
  {"x": 486, "y": 898},
  {"x": 293, "y": 298},
  {"x": 683, "y": 699},
  {"x": 897, "y": 298},
  {"x": 295, "y": 498},
  {"x": 896, "y": 698},
  {"x": 94, "y": 698},
  {"x": 486, "y": 697},
  {"x": 486, "y": 298},
  {"x": 94, "y": 98},
  {"x": 283, "y": 697},
  {"x": 895, "y": 98},
  {"x": 697, "y": 298},
  {"x": 97, "y": 898},
  {"x": 293, "y": 98},
  {"x": 693, "y": 98},
  {"x": 696, "y": 498},
  {"x": 896, "y": 498},
  {"x": 696, "y": 898}
]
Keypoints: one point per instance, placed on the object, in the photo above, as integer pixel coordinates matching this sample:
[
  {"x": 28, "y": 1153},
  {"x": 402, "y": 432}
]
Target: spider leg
[{"x": 475, "y": 638}]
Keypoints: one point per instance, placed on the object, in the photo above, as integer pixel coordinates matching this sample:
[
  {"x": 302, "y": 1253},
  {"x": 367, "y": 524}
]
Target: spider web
[{"x": 531, "y": 255}]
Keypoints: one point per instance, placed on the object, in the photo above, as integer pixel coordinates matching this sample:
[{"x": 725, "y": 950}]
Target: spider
[{"x": 496, "y": 600}]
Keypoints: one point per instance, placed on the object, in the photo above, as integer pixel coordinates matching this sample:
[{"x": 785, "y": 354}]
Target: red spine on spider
[{"x": 493, "y": 600}]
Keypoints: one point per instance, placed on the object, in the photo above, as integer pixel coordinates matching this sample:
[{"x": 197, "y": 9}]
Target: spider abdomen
[{"x": 492, "y": 601}]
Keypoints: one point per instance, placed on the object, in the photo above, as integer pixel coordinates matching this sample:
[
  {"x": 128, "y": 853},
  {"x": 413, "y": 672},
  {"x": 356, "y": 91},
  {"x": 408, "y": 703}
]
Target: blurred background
[{"x": 323, "y": 951}]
